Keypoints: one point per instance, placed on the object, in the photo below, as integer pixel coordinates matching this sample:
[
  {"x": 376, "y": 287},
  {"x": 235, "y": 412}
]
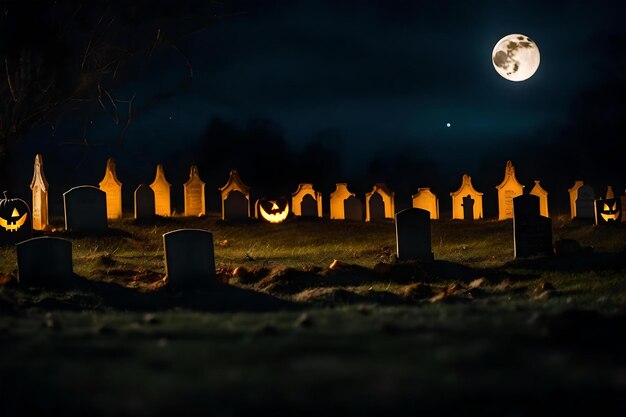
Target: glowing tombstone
[
  {"x": 543, "y": 198},
  {"x": 144, "y": 203},
  {"x": 85, "y": 209},
  {"x": 15, "y": 221},
  {"x": 573, "y": 195},
  {"x": 189, "y": 258},
  {"x": 608, "y": 210},
  {"x": 585, "y": 203},
  {"x": 113, "y": 189},
  {"x": 609, "y": 193},
  {"x": 306, "y": 202},
  {"x": 235, "y": 198},
  {"x": 195, "y": 204},
  {"x": 344, "y": 205},
  {"x": 39, "y": 188},
  {"x": 508, "y": 189},
  {"x": 426, "y": 200},
  {"x": 532, "y": 232},
  {"x": 379, "y": 203},
  {"x": 466, "y": 201},
  {"x": 161, "y": 188},
  {"x": 44, "y": 261},
  {"x": 413, "y": 237}
]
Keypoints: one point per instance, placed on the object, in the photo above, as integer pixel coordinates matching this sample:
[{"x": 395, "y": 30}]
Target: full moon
[{"x": 515, "y": 57}]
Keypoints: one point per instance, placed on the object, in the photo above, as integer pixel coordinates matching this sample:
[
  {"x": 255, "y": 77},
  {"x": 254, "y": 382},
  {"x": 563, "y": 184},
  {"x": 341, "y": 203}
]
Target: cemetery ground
[{"x": 474, "y": 331}]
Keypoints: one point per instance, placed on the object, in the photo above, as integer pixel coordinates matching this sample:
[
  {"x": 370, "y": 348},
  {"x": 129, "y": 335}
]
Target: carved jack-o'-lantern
[
  {"x": 15, "y": 222},
  {"x": 274, "y": 211},
  {"x": 608, "y": 210}
]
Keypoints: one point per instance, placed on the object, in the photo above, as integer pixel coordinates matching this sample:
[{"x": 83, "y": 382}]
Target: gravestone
[
  {"x": 426, "y": 200},
  {"x": 573, "y": 195},
  {"x": 609, "y": 193},
  {"x": 468, "y": 207},
  {"x": 236, "y": 206},
  {"x": 161, "y": 188},
  {"x": 585, "y": 206},
  {"x": 383, "y": 204},
  {"x": 528, "y": 206},
  {"x": 194, "y": 194},
  {"x": 543, "y": 198},
  {"x": 39, "y": 188},
  {"x": 308, "y": 206},
  {"x": 144, "y": 203},
  {"x": 15, "y": 221},
  {"x": 189, "y": 258},
  {"x": 44, "y": 260},
  {"x": 413, "y": 237},
  {"x": 377, "y": 208},
  {"x": 235, "y": 198},
  {"x": 353, "y": 208},
  {"x": 113, "y": 189},
  {"x": 85, "y": 209},
  {"x": 307, "y": 198},
  {"x": 459, "y": 210},
  {"x": 338, "y": 201},
  {"x": 508, "y": 189},
  {"x": 532, "y": 233}
]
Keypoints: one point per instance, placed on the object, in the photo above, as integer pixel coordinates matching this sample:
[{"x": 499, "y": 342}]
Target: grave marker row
[{"x": 467, "y": 202}]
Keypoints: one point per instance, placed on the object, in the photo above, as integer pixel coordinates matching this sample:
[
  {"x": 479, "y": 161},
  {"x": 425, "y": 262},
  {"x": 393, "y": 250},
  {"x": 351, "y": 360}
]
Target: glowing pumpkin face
[
  {"x": 274, "y": 211},
  {"x": 15, "y": 223},
  {"x": 608, "y": 211}
]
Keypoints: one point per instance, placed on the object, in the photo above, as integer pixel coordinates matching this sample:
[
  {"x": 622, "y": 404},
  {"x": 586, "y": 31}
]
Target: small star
[
  {"x": 170, "y": 117},
  {"x": 448, "y": 124}
]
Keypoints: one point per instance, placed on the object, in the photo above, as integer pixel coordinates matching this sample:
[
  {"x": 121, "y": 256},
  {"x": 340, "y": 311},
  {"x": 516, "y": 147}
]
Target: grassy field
[{"x": 474, "y": 332}]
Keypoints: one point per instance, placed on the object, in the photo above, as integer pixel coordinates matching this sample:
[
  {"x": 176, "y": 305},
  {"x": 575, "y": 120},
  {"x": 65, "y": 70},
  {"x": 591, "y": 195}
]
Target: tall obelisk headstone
[
  {"x": 39, "y": 188},
  {"x": 195, "y": 204}
]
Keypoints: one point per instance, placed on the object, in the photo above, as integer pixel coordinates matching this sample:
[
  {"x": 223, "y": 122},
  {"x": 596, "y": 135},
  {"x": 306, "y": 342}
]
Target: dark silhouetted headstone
[
  {"x": 377, "y": 207},
  {"x": 413, "y": 239},
  {"x": 532, "y": 233},
  {"x": 353, "y": 208},
  {"x": 585, "y": 207},
  {"x": 468, "y": 208},
  {"x": 235, "y": 206},
  {"x": 308, "y": 207},
  {"x": 189, "y": 258},
  {"x": 144, "y": 203},
  {"x": 526, "y": 207},
  {"x": 85, "y": 209},
  {"x": 44, "y": 261}
]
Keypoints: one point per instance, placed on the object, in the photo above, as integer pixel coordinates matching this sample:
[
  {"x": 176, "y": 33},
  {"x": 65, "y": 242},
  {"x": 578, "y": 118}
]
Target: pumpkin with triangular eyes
[
  {"x": 273, "y": 211},
  {"x": 15, "y": 221},
  {"x": 608, "y": 210}
]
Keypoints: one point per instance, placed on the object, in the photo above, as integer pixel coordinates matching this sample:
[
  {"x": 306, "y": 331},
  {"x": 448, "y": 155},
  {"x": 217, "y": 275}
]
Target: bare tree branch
[{"x": 9, "y": 83}]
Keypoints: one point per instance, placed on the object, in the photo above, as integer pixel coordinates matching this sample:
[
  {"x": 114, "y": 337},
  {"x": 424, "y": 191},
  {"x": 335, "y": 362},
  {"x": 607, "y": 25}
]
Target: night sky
[{"x": 375, "y": 83}]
